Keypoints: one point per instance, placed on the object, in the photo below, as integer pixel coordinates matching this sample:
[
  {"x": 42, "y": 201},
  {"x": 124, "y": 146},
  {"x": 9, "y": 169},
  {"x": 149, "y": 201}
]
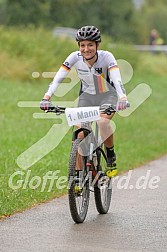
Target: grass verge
[{"x": 139, "y": 138}]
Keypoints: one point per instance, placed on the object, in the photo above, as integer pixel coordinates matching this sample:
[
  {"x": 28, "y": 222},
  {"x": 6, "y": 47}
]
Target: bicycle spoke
[
  {"x": 79, "y": 188},
  {"x": 102, "y": 190}
]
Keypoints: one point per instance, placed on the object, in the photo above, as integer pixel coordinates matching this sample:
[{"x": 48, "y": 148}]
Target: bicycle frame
[{"x": 90, "y": 144}]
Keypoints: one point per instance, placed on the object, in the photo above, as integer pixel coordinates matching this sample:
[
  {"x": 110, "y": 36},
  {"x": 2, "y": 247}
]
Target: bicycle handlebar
[
  {"x": 104, "y": 109},
  {"x": 56, "y": 109}
]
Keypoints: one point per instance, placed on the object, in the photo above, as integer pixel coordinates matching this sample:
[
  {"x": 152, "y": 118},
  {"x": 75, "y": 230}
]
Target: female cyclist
[{"x": 100, "y": 79}]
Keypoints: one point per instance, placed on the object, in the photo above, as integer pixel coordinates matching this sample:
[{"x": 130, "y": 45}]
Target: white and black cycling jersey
[{"x": 100, "y": 78}]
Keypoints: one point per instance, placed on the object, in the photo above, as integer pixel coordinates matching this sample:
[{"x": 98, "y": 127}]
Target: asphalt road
[{"x": 137, "y": 219}]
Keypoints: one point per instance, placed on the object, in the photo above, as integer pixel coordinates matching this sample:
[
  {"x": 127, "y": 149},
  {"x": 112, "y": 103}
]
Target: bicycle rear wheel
[
  {"x": 103, "y": 187},
  {"x": 78, "y": 191}
]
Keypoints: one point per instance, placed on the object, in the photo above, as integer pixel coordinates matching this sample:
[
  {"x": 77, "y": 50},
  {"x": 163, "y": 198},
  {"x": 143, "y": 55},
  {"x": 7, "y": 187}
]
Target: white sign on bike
[{"x": 82, "y": 114}]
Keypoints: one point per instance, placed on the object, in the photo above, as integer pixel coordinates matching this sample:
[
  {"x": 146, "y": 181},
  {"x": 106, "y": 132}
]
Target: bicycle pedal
[
  {"x": 77, "y": 189},
  {"x": 111, "y": 173}
]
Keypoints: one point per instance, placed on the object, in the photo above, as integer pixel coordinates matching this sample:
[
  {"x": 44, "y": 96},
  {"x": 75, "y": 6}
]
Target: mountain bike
[{"x": 91, "y": 153}]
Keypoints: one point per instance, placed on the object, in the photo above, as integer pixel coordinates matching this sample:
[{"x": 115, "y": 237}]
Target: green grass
[
  {"x": 24, "y": 51},
  {"x": 139, "y": 138},
  {"x": 20, "y": 131}
]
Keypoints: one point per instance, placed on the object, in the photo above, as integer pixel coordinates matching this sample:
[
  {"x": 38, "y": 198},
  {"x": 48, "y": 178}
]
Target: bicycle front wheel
[
  {"x": 78, "y": 191},
  {"x": 103, "y": 187}
]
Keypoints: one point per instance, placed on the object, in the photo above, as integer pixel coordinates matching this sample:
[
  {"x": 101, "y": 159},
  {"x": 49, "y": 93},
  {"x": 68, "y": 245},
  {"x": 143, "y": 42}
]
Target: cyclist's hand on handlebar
[
  {"x": 122, "y": 104},
  {"x": 45, "y": 104}
]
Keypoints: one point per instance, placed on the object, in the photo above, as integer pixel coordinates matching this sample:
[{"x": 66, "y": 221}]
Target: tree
[
  {"x": 23, "y": 12},
  {"x": 110, "y": 16},
  {"x": 118, "y": 19}
]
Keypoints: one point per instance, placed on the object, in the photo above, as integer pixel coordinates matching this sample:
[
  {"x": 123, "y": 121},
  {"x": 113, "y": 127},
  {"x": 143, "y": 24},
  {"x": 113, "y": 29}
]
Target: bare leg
[
  {"x": 106, "y": 133},
  {"x": 79, "y": 160},
  {"x": 106, "y": 130}
]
